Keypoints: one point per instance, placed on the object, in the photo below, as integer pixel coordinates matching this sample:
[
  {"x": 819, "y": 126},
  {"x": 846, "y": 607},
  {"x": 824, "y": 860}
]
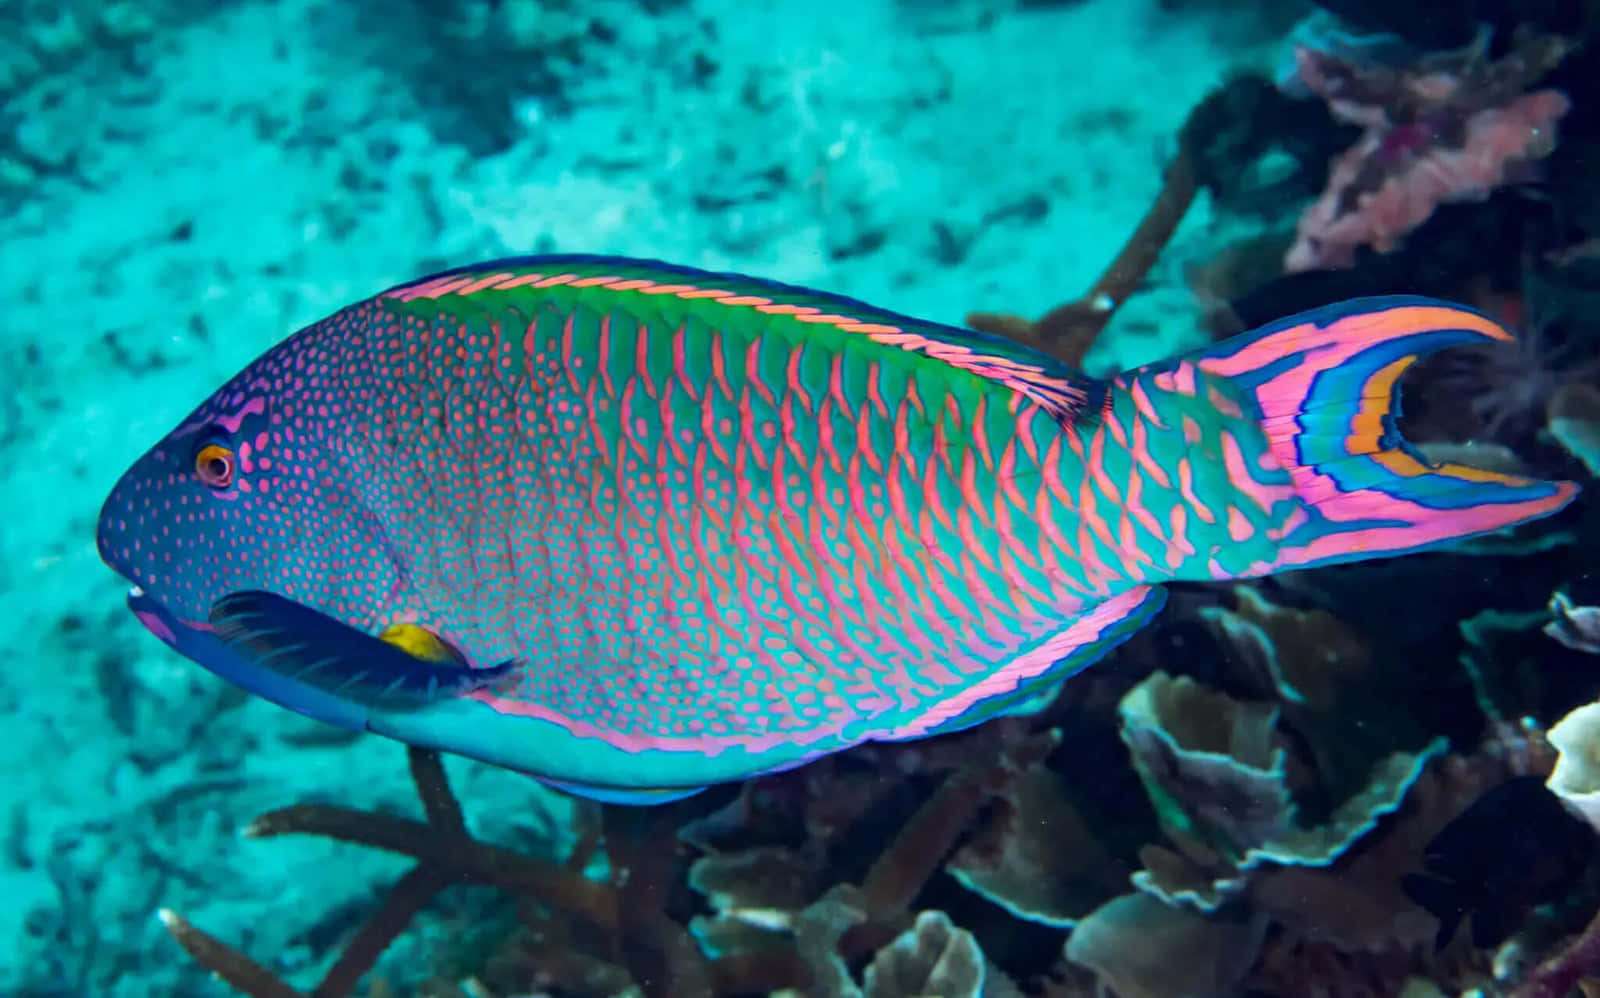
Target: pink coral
[{"x": 1452, "y": 128}]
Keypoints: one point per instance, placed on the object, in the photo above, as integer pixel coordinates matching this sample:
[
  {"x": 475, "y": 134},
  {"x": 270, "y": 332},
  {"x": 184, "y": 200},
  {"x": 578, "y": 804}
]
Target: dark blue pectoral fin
[
  {"x": 313, "y": 649},
  {"x": 203, "y": 646}
]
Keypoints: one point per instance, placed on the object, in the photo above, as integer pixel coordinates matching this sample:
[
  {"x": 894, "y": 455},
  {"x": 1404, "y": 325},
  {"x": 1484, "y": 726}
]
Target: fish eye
[{"x": 214, "y": 465}]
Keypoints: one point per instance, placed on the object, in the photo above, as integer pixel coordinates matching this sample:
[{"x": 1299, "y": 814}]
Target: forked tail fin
[{"x": 1324, "y": 384}]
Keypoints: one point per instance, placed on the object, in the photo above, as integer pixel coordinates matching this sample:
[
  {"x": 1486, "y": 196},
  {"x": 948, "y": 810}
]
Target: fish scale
[{"x": 711, "y": 526}]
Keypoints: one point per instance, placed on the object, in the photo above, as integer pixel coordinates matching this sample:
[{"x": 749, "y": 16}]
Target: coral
[
  {"x": 1577, "y": 964},
  {"x": 1208, "y": 762},
  {"x": 1218, "y": 780},
  {"x": 1068, "y": 331},
  {"x": 1573, "y": 418},
  {"x": 1516, "y": 671},
  {"x": 933, "y": 957},
  {"x": 1451, "y": 127},
  {"x": 1348, "y": 930},
  {"x": 1300, "y": 656},
  {"x": 1038, "y": 856},
  {"x": 1576, "y": 775},
  {"x": 445, "y": 853},
  {"x": 1142, "y": 948}
]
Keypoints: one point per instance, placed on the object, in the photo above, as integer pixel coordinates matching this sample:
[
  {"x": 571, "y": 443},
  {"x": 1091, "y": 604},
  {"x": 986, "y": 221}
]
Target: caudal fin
[{"x": 1324, "y": 384}]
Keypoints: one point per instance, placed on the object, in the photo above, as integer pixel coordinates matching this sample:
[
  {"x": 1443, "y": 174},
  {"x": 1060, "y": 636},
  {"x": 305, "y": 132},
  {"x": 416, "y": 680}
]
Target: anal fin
[{"x": 1018, "y": 685}]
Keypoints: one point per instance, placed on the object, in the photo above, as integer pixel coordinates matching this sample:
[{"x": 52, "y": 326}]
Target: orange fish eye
[{"x": 214, "y": 466}]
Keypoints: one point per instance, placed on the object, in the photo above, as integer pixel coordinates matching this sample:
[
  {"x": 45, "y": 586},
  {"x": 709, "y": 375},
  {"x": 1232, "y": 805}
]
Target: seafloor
[{"x": 184, "y": 183}]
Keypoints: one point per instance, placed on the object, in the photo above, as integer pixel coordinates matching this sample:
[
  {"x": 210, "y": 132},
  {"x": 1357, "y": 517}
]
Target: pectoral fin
[{"x": 405, "y": 667}]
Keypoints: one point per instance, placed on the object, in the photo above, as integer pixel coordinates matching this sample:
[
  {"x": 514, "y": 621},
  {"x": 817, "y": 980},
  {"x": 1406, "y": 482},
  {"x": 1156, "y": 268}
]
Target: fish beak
[{"x": 155, "y": 618}]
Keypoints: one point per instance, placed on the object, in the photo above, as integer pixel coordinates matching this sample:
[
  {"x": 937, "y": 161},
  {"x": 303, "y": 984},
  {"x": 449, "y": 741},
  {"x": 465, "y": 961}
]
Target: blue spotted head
[
  {"x": 186, "y": 523},
  {"x": 253, "y": 539}
]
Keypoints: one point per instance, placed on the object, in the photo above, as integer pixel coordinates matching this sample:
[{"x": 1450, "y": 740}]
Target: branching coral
[
  {"x": 1452, "y": 127},
  {"x": 445, "y": 853},
  {"x": 1068, "y": 331}
]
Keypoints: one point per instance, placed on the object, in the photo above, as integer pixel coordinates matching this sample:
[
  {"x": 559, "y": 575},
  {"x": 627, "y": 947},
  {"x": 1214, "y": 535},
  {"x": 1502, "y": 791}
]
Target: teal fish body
[{"x": 636, "y": 529}]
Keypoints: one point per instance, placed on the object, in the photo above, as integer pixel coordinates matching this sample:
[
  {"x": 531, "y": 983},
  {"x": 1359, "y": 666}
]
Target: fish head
[
  {"x": 186, "y": 522},
  {"x": 246, "y": 493}
]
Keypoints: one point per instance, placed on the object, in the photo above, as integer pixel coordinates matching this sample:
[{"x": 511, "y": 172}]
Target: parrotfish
[{"x": 636, "y": 529}]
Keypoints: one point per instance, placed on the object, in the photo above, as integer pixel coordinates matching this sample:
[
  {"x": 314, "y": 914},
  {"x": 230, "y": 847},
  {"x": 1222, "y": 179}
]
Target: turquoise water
[{"x": 186, "y": 184}]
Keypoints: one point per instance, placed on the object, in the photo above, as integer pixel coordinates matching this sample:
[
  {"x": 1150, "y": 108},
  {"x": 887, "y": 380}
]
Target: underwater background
[{"x": 1378, "y": 779}]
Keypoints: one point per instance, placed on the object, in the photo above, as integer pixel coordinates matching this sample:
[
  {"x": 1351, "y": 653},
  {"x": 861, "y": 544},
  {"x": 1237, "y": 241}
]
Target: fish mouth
[
  {"x": 157, "y": 619},
  {"x": 198, "y": 641}
]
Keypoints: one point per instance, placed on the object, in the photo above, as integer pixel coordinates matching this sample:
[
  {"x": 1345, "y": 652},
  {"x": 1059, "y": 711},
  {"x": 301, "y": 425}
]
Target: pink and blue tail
[{"x": 1325, "y": 389}]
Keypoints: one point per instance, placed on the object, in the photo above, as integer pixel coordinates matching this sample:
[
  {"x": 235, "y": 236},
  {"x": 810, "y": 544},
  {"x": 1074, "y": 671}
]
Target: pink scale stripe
[
  {"x": 867, "y": 327},
  {"x": 483, "y": 282},
  {"x": 1097, "y": 466},
  {"x": 933, "y": 500},
  {"x": 826, "y": 516},
  {"x": 1118, "y": 432},
  {"x": 972, "y": 501},
  {"x": 669, "y": 438},
  {"x": 641, "y": 360},
  {"x": 1460, "y": 522},
  {"x": 1263, "y": 495},
  {"x": 1186, "y": 487},
  {"x": 680, "y": 362},
  {"x": 1142, "y": 513},
  {"x": 1144, "y": 459}
]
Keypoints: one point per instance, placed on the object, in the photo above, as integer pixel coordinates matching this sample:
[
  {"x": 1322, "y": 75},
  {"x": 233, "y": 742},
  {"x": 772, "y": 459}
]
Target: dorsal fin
[{"x": 1065, "y": 393}]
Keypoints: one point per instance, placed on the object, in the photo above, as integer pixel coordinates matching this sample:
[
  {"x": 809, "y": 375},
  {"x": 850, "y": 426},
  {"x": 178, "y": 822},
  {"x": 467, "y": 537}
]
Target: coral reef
[
  {"x": 1233, "y": 801},
  {"x": 1576, "y": 775}
]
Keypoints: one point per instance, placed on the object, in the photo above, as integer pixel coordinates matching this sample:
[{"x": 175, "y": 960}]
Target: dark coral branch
[
  {"x": 664, "y": 960},
  {"x": 433, "y": 789},
  {"x": 920, "y": 847},
  {"x": 227, "y": 963},
  {"x": 918, "y": 851},
  {"x": 410, "y": 894},
  {"x": 1068, "y": 331},
  {"x": 446, "y": 854},
  {"x": 467, "y": 859}
]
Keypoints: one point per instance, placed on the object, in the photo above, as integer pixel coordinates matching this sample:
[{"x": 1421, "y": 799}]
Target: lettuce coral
[
  {"x": 1142, "y": 948},
  {"x": 1038, "y": 856},
  {"x": 1217, "y": 777}
]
